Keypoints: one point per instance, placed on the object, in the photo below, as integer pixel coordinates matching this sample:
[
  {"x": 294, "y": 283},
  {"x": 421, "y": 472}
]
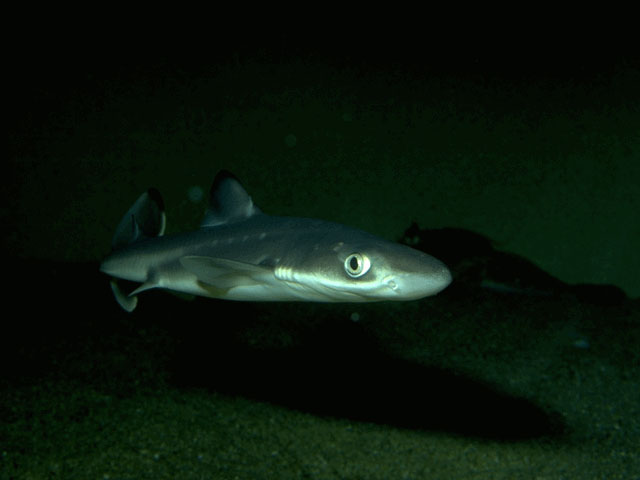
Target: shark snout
[
  {"x": 429, "y": 280},
  {"x": 437, "y": 280}
]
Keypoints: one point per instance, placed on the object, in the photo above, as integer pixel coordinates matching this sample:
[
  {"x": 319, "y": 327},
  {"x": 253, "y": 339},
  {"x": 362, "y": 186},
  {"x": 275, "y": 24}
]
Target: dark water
[{"x": 527, "y": 365}]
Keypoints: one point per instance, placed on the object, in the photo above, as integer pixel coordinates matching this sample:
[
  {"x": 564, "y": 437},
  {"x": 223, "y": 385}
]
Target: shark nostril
[{"x": 392, "y": 285}]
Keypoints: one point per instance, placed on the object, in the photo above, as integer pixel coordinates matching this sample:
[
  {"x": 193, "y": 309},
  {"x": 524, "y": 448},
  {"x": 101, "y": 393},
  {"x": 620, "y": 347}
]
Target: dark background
[{"x": 516, "y": 154}]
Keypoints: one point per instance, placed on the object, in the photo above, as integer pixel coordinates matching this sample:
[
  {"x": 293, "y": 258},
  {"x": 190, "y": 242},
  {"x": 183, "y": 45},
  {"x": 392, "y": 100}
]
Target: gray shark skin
[{"x": 240, "y": 253}]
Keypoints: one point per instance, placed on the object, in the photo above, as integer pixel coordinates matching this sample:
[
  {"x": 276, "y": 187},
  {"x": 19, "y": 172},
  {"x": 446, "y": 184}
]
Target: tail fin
[{"x": 145, "y": 218}]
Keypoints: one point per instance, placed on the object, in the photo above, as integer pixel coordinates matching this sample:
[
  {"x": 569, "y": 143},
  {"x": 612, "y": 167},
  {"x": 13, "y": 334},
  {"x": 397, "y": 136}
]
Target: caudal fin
[{"x": 145, "y": 219}]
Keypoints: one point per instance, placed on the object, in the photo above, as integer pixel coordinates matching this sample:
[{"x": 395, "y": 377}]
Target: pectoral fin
[{"x": 225, "y": 274}]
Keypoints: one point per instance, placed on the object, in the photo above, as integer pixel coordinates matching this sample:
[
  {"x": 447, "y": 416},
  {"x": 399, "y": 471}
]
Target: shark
[{"x": 240, "y": 253}]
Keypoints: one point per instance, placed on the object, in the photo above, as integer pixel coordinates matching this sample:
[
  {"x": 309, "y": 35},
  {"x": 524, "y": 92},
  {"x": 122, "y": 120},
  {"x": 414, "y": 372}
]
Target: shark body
[{"x": 240, "y": 253}]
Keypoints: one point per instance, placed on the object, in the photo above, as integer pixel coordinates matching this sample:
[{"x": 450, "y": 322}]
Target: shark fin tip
[{"x": 127, "y": 302}]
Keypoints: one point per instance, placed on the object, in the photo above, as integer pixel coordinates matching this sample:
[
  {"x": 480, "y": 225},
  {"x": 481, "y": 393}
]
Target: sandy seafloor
[{"x": 508, "y": 374}]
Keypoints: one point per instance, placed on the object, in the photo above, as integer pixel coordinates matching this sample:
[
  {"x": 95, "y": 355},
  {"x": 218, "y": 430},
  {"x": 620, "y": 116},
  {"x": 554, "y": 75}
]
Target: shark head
[{"x": 354, "y": 266}]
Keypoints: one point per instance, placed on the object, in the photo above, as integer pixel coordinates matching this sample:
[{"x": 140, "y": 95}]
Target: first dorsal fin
[{"x": 228, "y": 201}]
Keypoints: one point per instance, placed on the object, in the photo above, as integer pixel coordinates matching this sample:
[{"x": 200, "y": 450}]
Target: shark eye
[{"x": 356, "y": 265}]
